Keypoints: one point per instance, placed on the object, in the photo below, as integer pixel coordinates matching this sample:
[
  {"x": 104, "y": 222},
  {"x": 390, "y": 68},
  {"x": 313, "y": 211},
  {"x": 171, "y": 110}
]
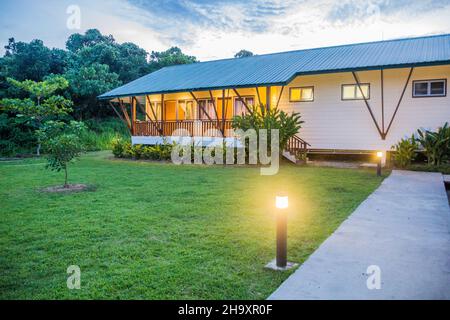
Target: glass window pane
[
  {"x": 364, "y": 89},
  {"x": 189, "y": 110},
  {"x": 348, "y": 92},
  {"x": 421, "y": 88},
  {"x": 307, "y": 94},
  {"x": 295, "y": 94},
  {"x": 438, "y": 88}
]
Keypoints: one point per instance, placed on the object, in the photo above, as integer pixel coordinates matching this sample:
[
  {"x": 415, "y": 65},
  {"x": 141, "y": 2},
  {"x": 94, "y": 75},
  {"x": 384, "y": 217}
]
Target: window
[
  {"x": 430, "y": 88},
  {"x": 156, "y": 110},
  {"x": 186, "y": 110},
  {"x": 301, "y": 94},
  {"x": 352, "y": 91},
  {"x": 239, "y": 107},
  {"x": 208, "y": 106}
]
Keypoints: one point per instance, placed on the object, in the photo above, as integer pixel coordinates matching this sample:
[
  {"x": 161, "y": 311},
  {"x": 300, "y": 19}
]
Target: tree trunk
[
  {"x": 66, "y": 185},
  {"x": 38, "y": 149}
]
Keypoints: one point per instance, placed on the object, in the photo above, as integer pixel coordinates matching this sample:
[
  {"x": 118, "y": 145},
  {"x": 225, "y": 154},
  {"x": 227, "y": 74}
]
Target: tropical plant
[
  {"x": 261, "y": 118},
  {"x": 62, "y": 144},
  {"x": 436, "y": 145},
  {"x": 42, "y": 104},
  {"x": 405, "y": 152}
]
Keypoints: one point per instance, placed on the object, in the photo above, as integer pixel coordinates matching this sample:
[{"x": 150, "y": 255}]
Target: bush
[
  {"x": 124, "y": 149},
  {"x": 405, "y": 152},
  {"x": 436, "y": 145},
  {"x": 288, "y": 125}
]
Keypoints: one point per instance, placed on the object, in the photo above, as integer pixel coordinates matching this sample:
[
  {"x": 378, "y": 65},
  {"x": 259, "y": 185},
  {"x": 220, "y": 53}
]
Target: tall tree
[
  {"x": 243, "y": 54},
  {"x": 170, "y": 57},
  {"x": 88, "y": 82},
  {"x": 92, "y": 37},
  {"x": 42, "y": 104}
]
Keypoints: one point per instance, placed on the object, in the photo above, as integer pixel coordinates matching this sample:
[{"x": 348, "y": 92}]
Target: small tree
[
  {"x": 42, "y": 104},
  {"x": 62, "y": 144}
]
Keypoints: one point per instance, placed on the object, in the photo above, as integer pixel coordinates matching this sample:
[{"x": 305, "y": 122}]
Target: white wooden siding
[{"x": 331, "y": 123}]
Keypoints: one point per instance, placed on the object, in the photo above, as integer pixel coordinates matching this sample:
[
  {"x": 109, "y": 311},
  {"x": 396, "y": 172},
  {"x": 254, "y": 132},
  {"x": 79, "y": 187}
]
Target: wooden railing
[
  {"x": 297, "y": 146},
  {"x": 191, "y": 128}
]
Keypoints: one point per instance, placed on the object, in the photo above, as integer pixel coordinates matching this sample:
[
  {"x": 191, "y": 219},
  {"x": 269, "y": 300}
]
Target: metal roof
[{"x": 281, "y": 68}]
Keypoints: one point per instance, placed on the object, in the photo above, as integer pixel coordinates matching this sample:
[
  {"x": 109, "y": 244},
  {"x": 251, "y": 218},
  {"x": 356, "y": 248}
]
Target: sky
[{"x": 215, "y": 29}]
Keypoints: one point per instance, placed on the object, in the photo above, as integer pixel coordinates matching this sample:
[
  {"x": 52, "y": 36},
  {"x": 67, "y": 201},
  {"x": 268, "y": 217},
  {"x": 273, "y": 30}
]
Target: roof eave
[{"x": 370, "y": 68}]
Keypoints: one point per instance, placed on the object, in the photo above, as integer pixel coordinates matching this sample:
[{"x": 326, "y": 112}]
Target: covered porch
[{"x": 199, "y": 113}]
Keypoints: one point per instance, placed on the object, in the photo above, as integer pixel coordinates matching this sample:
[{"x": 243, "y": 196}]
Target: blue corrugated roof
[{"x": 281, "y": 68}]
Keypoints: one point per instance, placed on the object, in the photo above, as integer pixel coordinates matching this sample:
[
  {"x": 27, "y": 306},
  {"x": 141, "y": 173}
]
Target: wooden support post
[
  {"x": 399, "y": 101},
  {"x": 279, "y": 98},
  {"x": 367, "y": 104},
  {"x": 223, "y": 112},
  {"x": 133, "y": 114},
  {"x": 268, "y": 97},
  {"x": 215, "y": 108},
  {"x": 163, "y": 116}
]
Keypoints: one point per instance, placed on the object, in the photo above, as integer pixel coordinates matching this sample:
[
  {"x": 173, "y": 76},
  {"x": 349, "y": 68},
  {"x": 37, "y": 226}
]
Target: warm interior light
[
  {"x": 282, "y": 202},
  {"x": 380, "y": 154}
]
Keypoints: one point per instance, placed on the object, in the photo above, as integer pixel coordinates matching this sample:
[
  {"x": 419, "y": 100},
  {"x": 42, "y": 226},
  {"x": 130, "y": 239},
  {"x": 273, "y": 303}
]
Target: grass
[{"x": 159, "y": 231}]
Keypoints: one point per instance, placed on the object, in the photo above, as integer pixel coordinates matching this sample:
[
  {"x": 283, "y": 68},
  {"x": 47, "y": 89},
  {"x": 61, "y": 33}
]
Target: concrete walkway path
[{"x": 402, "y": 228}]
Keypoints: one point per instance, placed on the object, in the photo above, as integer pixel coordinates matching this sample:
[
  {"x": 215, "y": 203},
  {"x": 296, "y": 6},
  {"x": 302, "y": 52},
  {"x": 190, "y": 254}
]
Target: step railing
[{"x": 297, "y": 147}]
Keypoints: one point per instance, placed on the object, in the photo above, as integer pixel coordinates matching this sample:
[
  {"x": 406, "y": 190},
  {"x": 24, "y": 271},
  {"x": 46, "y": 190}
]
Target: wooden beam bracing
[
  {"x": 367, "y": 104},
  {"x": 243, "y": 101},
  {"x": 279, "y": 97},
  {"x": 120, "y": 116},
  {"x": 382, "y": 103},
  {"x": 125, "y": 113},
  {"x": 399, "y": 101}
]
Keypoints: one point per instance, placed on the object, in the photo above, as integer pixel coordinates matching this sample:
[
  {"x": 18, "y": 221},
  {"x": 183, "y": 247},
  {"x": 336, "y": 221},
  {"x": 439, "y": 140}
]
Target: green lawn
[{"x": 159, "y": 231}]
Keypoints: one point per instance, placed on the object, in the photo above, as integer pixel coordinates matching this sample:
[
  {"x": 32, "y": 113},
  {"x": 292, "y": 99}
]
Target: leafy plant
[
  {"x": 261, "y": 118},
  {"x": 405, "y": 152},
  {"x": 436, "y": 145},
  {"x": 62, "y": 144},
  {"x": 42, "y": 105}
]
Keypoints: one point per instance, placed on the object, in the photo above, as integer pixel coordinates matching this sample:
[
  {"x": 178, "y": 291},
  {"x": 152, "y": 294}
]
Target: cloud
[{"x": 212, "y": 29}]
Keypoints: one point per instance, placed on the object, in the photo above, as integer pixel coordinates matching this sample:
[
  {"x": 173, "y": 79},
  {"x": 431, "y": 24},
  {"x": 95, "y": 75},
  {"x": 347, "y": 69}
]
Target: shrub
[
  {"x": 436, "y": 145},
  {"x": 261, "y": 118},
  {"x": 123, "y": 149},
  {"x": 405, "y": 152}
]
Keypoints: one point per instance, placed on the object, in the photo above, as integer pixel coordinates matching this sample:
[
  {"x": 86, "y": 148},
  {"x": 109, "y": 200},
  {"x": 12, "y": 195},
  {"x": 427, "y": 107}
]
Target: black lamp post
[
  {"x": 282, "y": 203},
  {"x": 379, "y": 158}
]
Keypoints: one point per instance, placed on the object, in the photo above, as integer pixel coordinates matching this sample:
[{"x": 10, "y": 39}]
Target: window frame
[
  {"x": 356, "y": 87},
  {"x": 200, "y": 110},
  {"x": 245, "y": 98},
  {"x": 429, "y": 95},
  {"x": 303, "y": 87}
]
